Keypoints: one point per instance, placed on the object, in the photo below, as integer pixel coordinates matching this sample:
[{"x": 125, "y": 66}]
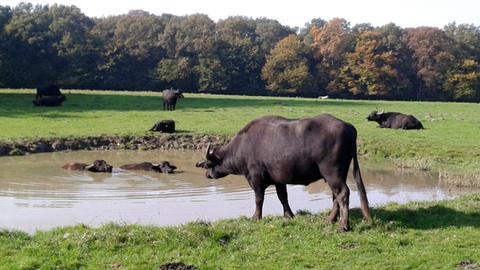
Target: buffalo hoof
[
  {"x": 332, "y": 218},
  {"x": 343, "y": 229},
  {"x": 288, "y": 215},
  {"x": 256, "y": 218}
]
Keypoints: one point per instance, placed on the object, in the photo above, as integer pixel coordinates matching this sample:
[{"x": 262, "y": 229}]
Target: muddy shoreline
[{"x": 126, "y": 142}]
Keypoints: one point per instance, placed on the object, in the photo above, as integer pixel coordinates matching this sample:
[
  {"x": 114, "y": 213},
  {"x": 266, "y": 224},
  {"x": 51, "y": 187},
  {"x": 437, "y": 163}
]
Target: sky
[{"x": 295, "y": 13}]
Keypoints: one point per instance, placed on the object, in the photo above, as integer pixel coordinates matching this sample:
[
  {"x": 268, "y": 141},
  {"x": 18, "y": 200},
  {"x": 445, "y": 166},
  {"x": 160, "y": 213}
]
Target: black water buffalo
[
  {"x": 273, "y": 150},
  {"x": 167, "y": 126},
  {"x": 97, "y": 166},
  {"x": 162, "y": 167},
  {"x": 170, "y": 97},
  {"x": 49, "y": 101},
  {"x": 51, "y": 90},
  {"x": 49, "y": 96},
  {"x": 394, "y": 120}
]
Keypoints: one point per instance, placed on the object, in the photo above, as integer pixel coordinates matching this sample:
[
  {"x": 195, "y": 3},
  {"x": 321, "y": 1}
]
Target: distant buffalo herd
[
  {"x": 50, "y": 96},
  {"x": 273, "y": 150}
]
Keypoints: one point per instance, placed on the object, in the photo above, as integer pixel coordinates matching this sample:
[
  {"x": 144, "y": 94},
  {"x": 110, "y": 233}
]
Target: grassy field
[
  {"x": 429, "y": 235},
  {"x": 441, "y": 235},
  {"x": 451, "y": 138}
]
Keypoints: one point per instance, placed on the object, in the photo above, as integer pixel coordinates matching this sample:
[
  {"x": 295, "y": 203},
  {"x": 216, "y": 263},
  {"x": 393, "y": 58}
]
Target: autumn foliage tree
[
  {"x": 330, "y": 43},
  {"x": 58, "y": 44},
  {"x": 287, "y": 68},
  {"x": 375, "y": 67}
]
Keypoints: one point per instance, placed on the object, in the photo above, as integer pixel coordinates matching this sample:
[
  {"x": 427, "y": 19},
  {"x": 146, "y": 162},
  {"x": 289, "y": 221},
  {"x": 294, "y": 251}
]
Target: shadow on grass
[
  {"x": 425, "y": 218},
  {"x": 18, "y": 104}
]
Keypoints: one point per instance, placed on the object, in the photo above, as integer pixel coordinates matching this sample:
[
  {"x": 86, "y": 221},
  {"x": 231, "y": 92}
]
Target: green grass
[
  {"x": 451, "y": 138},
  {"x": 426, "y": 235}
]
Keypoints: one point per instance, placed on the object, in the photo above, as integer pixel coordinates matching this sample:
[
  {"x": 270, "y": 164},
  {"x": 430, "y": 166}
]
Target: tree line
[{"x": 58, "y": 44}]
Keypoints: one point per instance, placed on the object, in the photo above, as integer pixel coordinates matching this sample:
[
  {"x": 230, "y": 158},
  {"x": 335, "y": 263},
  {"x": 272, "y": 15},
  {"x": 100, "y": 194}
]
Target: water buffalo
[
  {"x": 51, "y": 90},
  {"x": 97, "y": 166},
  {"x": 162, "y": 167},
  {"x": 273, "y": 150},
  {"x": 49, "y": 101},
  {"x": 170, "y": 97},
  {"x": 394, "y": 120},
  {"x": 167, "y": 126}
]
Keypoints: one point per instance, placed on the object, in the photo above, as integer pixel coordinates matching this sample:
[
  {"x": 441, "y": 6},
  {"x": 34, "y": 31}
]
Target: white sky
[{"x": 405, "y": 13}]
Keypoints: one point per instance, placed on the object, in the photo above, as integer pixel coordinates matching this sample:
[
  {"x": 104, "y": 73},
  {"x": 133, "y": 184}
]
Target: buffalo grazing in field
[
  {"x": 170, "y": 97},
  {"x": 394, "y": 120},
  {"x": 162, "y": 167},
  {"x": 97, "y": 166},
  {"x": 273, "y": 150}
]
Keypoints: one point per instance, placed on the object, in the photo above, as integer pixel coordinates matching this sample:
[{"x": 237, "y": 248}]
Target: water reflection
[{"x": 36, "y": 193}]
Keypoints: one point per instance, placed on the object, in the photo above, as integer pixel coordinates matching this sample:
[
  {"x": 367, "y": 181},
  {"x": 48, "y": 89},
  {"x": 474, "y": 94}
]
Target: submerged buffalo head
[
  {"x": 375, "y": 116},
  {"x": 164, "y": 167},
  {"x": 99, "y": 165},
  {"x": 213, "y": 163}
]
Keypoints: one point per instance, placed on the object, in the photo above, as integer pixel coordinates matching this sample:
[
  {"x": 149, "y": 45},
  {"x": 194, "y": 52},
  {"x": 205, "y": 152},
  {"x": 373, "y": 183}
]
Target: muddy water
[{"x": 37, "y": 194}]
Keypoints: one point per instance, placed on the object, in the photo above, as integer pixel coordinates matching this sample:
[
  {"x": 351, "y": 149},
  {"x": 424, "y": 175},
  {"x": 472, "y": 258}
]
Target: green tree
[
  {"x": 240, "y": 54},
  {"x": 463, "y": 81},
  {"x": 287, "y": 69}
]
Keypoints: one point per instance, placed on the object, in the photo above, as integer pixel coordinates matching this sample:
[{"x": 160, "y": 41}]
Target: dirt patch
[
  {"x": 145, "y": 142},
  {"x": 469, "y": 265},
  {"x": 177, "y": 266}
]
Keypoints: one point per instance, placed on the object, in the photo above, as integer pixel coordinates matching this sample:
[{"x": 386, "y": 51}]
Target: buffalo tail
[{"x": 361, "y": 188}]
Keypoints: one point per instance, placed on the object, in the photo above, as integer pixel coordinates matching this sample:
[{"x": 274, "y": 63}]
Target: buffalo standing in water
[
  {"x": 170, "y": 97},
  {"x": 97, "y": 166},
  {"x": 162, "y": 167},
  {"x": 394, "y": 120},
  {"x": 277, "y": 151}
]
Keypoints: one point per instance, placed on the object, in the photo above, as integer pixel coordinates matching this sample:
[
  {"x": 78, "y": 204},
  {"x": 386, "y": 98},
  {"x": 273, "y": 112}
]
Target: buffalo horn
[{"x": 209, "y": 151}]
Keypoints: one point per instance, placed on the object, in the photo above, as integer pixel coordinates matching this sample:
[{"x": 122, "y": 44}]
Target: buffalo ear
[{"x": 173, "y": 167}]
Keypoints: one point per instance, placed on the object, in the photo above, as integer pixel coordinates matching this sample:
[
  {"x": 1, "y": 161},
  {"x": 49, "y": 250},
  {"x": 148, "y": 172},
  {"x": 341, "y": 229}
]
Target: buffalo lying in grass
[
  {"x": 49, "y": 96},
  {"x": 394, "y": 120},
  {"x": 170, "y": 97},
  {"x": 277, "y": 151},
  {"x": 49, "y": 101},
  {"x": 51, "y": 90},
  {"x": 98, "y": 165},
  {"x": 167, "y": 126},
  {"x": 162, "y": 167}
]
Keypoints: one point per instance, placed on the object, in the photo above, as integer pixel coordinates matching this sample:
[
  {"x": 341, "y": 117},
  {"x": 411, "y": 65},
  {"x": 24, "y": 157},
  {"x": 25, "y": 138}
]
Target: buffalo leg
[
  {"x": 259, "y": 189},
  {"x": 283, "y": 197},
  {"x": 341, "y": 194},
  {"x": 332, "y": 218}
]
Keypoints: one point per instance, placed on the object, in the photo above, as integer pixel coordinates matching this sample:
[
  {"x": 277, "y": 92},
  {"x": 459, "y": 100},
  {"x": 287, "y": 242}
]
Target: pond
[{"x": 37, "y": 194}]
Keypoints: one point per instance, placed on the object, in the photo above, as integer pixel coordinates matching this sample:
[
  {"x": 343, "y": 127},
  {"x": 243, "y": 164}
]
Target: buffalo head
[
  {"x": 99, "y": 165},
  {"x": 375, "y": 116},
  {"x": 213, "y": 163},
  {"x": 164, "y": 167},
  {"x": 178, "y": 94}
]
